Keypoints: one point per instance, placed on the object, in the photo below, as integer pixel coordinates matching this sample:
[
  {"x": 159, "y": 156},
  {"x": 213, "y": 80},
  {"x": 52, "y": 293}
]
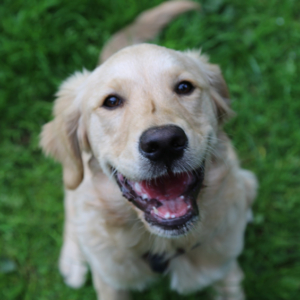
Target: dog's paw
[
  {"x": 229, "y": 293},
  {"x": 230, "y": 288},
  {"x": 71, "y": 266}
]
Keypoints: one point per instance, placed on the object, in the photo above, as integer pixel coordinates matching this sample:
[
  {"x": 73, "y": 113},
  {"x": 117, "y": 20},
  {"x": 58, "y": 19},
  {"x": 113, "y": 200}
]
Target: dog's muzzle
[{"x": 169, "y": 199}]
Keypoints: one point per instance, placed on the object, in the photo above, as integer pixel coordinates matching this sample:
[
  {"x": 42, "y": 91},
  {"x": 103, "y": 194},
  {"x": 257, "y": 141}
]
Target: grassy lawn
[{"x": 257, "y": 44}]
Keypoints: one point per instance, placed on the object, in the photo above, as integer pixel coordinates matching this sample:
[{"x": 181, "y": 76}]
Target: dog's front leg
[
  {"x": 230, "y": 288},
  {"x": 106, "y": 292},
  {"x": 72, "y": 264}
]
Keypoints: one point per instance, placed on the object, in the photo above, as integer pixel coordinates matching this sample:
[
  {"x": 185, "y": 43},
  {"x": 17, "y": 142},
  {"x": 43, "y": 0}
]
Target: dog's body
[{"x": 187, "y": 209}]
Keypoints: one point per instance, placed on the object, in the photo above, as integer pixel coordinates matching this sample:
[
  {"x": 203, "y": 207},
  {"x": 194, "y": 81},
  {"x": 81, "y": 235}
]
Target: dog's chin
[{"x": 168, "y": 202}]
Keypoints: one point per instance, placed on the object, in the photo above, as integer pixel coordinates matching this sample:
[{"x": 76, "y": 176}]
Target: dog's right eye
[
  {"x": 184, "y": 88},
  {"x": 112, "y": 102}
]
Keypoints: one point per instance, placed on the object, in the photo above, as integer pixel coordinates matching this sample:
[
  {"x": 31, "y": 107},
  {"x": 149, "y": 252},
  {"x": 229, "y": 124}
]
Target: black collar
[{"x": 159, "y": 263}]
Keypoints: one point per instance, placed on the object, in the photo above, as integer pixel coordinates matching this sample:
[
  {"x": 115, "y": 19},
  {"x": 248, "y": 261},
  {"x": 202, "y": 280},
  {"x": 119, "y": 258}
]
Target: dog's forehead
[{"x": 143, "y": 62}]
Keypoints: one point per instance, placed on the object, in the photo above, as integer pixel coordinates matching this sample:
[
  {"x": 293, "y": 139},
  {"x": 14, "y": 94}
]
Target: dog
[{"x": 152, "y": 183}]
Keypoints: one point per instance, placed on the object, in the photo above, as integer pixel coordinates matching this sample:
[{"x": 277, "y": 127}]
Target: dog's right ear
[
  {"x": 218, "y": 87},
  {"x": 63, "y": 137}
]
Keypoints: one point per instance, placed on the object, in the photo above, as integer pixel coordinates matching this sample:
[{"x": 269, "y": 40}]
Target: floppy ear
[
  {"x": 218, "y": 87},
  {"x": 64, "y": 137},
  {"x": 219, "y": 93}
]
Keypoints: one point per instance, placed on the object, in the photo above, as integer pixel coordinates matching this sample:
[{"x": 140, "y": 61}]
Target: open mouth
[{"x": 169, "y": 201}]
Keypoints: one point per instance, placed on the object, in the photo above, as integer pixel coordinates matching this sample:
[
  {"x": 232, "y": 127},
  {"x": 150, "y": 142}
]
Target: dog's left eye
[
  {"x": 184, "y": 88},
  {"x": 112, "y": 102}
]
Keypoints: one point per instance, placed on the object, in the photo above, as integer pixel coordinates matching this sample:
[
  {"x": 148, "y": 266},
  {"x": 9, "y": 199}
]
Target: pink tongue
[
  {"x": 168, "y": 187},
  {"x": 175, "y": 208}
]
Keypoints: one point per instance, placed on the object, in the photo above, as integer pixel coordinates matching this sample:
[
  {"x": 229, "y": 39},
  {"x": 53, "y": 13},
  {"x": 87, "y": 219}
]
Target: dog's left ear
[
  {"x": 219, "y": 93},
  {"x": 65, "y": 137},
  {"x": 217, "y": 85}
]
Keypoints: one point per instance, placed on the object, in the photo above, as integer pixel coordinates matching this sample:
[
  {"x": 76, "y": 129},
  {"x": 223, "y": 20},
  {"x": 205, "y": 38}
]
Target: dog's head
[{"x": 149, "y": 115}]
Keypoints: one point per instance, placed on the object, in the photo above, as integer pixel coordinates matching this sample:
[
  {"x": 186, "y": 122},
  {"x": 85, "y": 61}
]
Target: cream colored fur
[{"x": 104, "y": 230}]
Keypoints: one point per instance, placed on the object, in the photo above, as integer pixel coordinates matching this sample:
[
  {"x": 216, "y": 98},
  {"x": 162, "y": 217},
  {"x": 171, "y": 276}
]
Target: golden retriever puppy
[{"x": 152, "y": 183}]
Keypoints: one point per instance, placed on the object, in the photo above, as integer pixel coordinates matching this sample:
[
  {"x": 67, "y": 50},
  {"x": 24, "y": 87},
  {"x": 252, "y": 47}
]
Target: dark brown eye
[
  {"x": 112, "y": 102},
  {"x": 184, "y": 88}
]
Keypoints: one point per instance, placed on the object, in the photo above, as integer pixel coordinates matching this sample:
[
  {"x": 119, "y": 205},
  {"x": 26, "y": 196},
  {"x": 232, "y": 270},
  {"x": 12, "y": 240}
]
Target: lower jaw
[{"x": 174, "y": 231}]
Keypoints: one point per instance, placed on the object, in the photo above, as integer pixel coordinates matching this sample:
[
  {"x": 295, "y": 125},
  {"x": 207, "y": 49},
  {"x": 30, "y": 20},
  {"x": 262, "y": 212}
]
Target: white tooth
[
  {"x": 137, "y": 187},
  {"x": 167, "y": 215},
  {"x": 173, "y": 216},
  {"x": 181, "y": 197},
  {"x": 144, "y": 196},
  {"x": 155, "y": 210},
  {"x": 189, "y": 206}
]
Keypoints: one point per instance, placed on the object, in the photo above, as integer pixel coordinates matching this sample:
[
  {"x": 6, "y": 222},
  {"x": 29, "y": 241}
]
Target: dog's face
[{"x": 150, "y": 116}]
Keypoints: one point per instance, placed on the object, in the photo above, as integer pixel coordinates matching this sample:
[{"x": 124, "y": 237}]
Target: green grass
[{"x": 257, "y": 44}]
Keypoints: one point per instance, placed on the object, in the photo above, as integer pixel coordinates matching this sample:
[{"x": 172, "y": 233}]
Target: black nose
[{"x": 163, "y": 144}]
